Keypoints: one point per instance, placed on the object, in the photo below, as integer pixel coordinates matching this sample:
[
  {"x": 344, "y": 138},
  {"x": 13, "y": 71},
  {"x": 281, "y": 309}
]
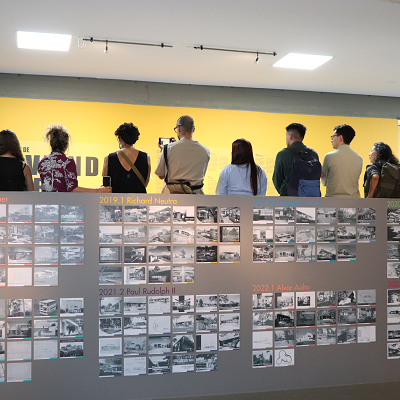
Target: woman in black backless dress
[{"x": 124, "y": 178}]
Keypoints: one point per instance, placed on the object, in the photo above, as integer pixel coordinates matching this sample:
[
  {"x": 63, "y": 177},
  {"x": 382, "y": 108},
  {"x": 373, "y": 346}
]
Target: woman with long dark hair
[
  {"x": 242, "y": 176},
  {"x": 380, "y": 154}
]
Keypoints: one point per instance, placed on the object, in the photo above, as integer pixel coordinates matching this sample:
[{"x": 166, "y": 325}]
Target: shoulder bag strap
[
  {"x": 134, "y": 169},
  {"x": 166, "y": 162}
]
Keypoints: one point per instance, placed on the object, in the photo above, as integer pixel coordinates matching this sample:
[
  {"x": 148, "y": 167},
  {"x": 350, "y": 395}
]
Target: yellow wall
[{"x": 92, "y": 127}]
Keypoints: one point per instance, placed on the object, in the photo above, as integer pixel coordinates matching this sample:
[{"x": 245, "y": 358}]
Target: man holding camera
[{"x": 187, "y": 161}]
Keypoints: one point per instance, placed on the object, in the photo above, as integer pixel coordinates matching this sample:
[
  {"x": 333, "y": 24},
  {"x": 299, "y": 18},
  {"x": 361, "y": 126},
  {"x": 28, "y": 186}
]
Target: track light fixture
[
  {"x": 268, "y": 53},
  {"x": 106, "y": 49},
  {"x": 256, "y": 60},
  {"x": 82, "y": 43}
]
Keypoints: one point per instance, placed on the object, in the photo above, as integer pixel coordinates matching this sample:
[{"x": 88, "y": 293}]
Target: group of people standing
[{"x": 183, "y": 164}]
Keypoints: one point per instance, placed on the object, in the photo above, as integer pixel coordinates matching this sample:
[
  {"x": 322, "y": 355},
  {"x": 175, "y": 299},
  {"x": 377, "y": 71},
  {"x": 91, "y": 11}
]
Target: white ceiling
[{"x": 362, "y": 36}]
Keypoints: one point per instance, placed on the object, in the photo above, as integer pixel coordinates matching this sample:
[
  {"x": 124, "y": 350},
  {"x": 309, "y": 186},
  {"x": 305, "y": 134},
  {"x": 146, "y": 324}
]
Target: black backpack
[
  {"x": 306, "y": 173},
  {"x": 389, "y": 182}
]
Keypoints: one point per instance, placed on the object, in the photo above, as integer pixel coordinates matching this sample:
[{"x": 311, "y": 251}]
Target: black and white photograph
[
  {"x": 346, "y": 316},
  {"x": 110, "y": 306},
  {"x": 19, "y": 372},
  {"x": 206, "y": 303},
  {"x": 366, "y": 315},
  {"x": 284, "y": 338},
  {"x": 346, "y": 335},
  {"x": 366, "y": 234},
  {"x": 45, "y": 328},
  {"x": 19, "y": 308},
  {"x": 183, "y": 274},
  {"x": 19, "y": 351},
  {"x": 183, "y": 254},
  {"x": 3, "y": 213},
  {"x": 182, "y": 234},
  {"x": 19, "y": 329},
  {"x": 366, "y": 297},
  {"x": 20, "y": 255},
  {"x": 111, "y": 326},
  {"x": 159, "y": 365},
  {"x": 305, "y": 337},
  {"x": 284, "y": 234},
  {"x": 2, "y": 309},
  {"x": 393, "y": 215},
  {"x": 2, "y": 348},
  {"x": 393, "y": 296},
  {"x": 263, "y": 320},
  {"x": 159, "y": 214},
  {"x": 229, "y": 322},
  {"x": 183, "y": 304},
  {"x": 135, "y": 345},
  {"x": 263, "y": 358},
  {"x": 135, "y": 325},
  {"x": 182, "y": 343},
  {"x": 135, "y": 305},
  {"x": 20, "y": 234},
  {"x": 229, "y": 302},
  {"x": 305, "y": 318},
  {"x": 46, "y": 213},
  {"x": 46, "y": 255},
  {"x": 159, "y": 273},
  {"x": 284, "y": 300},
  {"x": 134, "y": 366},
  {"x": 72, "y": 214},
  {"x": 366, "y": 215},
  {"x": 263, "y": 234},
  {"x": 284, "y": 215},
  {"x": 229, "y": 215},
  {"x": 263, "y": 216},
  {"x": 46, "y": 234},
  {"x": 135, "y": 214},
  {"x": 45, "y": 308},
  {"x": 263, "y": 340},
  {"x": 393, "y": 251},
  {"x": 346, "y": 234},
  {"x": 159, "y": 324},
  {"x": 305, "y": 300},
  {"x": 284, "y": 319},
  {"x": 160, "y": 234},
  {"x": 229, "y": 234},
  {"x": 305, "y": 215},
  {"x": 393, "y": 351},
  {"x": 207, "y": 215},
  {"x": 72, "y": 234},
  {"x": 110, "y": 367},
  {"x": 326, "y": 336},
  {"x": 110, "y": 214},
  {"x": 229, "y": 253},
  {"x": 393, "y": 233},
  {"x": 160, "y": 254},
  {"x": 366, "y": 334},
  {"x": 45, "y": 349},
  {"x": 2, "y": 256},
  {"x": 110, "y": 254},
  {"x": 326, "y": 234},
  {"x": 393, "y": 333},
  {"x": 206, "y": 322},
  {"x": 206, "y": 234},
  {"x": 19, "y": 277},
  {"x": 326, "y": 252},
  {"x": 263, "y": 301},
  {"x": 20, "y": 213},
  {"x": 112, "y": 234},
  {"x": 110, "y": 275},
  {"x": 206, "y": 254},
  {"x": 346, "y": 298},
  {"x": 182, "y": 363},
  {"x": 284, "y": 253},
  {"x": 2, "y": 332},
  {"x": 71, "y": 327},
  {"x": 304, "y": 234},
  {"x": 229, "y": 341},
  {"x": 45, "y": 276},
  {"x": 134, "y": 275},
  {"x": 284, "y": 358},
  {"x": 3, "y": 235},
  {"x": 347, "y": 215},
  {"x": 110, "y": 347},
  {"x": 206, "y": 362},
  {"x": 159, "y": 305},
  {"x": 2, "y": 277},
  {"x": 135, "y": 254},
  {"x": 305, "y": 252},
  {"x": 262, "y": 254},
  {"x": 326, "y": 317},
  {"x": 183, "y": 323},
  {"x": 72, "y": 255},
  {"x": 71, "y": 307},
  {"x": 183, "y": 214},
  {"x": 159, "y": 345},
  {"x": 347, "y": 252}
]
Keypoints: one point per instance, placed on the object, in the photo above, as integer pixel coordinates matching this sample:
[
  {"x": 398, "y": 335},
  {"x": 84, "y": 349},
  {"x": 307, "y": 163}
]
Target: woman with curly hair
[
  {"x": 128, "y": 168},
  {"x": 380, "y": 154},
  {"x": 15, "y": 173},
  {"x": 57, "y": 171}
]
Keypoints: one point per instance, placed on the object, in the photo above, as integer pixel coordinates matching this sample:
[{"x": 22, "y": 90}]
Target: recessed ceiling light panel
[
  {"x": 301, "y": 61},
  {"x": 43, "y": 41}
]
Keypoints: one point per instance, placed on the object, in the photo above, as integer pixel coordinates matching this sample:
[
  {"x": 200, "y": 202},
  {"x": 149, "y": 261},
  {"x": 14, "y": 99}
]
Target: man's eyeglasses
[
  {"x": 176, "y": 127},
  {"x": 333, "y": 136}
]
